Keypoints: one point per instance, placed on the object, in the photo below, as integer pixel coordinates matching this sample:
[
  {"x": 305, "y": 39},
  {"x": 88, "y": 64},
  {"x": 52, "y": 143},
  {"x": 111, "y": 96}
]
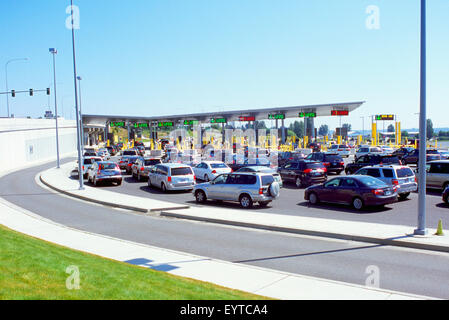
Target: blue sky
[{"x": 163, "y": 57}]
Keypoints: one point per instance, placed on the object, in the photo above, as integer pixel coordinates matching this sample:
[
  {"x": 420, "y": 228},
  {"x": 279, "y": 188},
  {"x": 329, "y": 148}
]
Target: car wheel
[
  {"x": 264, "y": 203},
  {"x": 404, "y": 196},
  {"x": 200, "y": 196},
  {"x": 313, "y": 198},
  {"x": 95, "y": 182},
  {"x": 298, "y": 182},
  {"x": 163, "y": 187},
  {"x": 206, "y": 178},
  {"x": 357, "y": 203},
  {"x": 119, "y": 182},
  {"x": 139, "y": 177},
  {"x": 338, "y": 172},
  {"x": 245, "y": 201}
]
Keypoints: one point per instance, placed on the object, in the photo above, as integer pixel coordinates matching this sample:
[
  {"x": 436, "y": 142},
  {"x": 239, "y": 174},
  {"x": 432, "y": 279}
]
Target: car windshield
[
  {"x": 152, "y": 162},
  {"x": 375, "y": 150},
  {"x": 432, "y": 152},
  {"x": 267, "y": 180},
  {"x": 404, "y": 172},
  {"x": 88, "y": 161},
  {"x": 218, "y": 166},
  {"x": 181, "y": 171},
  {"x": 368, "y": 181}
]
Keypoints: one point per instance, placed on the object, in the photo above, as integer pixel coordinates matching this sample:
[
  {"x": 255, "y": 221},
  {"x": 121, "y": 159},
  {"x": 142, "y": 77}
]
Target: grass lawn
[{"x": 35, "y": 269}]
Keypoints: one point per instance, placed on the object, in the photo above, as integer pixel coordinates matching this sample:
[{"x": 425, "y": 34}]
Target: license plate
[
  {"x": 387, "y": 193},
  {"x": 316, "y": 173}
]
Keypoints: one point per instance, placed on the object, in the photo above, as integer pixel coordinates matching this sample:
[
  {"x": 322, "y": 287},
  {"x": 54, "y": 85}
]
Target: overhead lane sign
[
  {"x": 307, "y": 114},
  {"x": 384, "y": 117},
  {"x": 278, "y": 116},
  {"x": 218, "y": 120},
  {"x": 339, "y": 113}
]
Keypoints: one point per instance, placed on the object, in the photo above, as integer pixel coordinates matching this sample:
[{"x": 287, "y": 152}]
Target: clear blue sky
[{"x": 162, "y": 57}]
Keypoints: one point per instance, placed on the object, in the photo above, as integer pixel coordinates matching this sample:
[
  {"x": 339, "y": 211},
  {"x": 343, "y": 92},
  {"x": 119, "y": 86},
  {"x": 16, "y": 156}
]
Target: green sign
[
  {"x": 382, "y": 117},
  {"x": 140, "y": 125},
  {"x": 191, "y": 122},
  {"x": 218, "y": 120},
  {"x": 165, "y": 124},
  {"x": 307, "y": 114},
  {"x": 276, "y": 116},
  {"x": 117, "y": 124}
]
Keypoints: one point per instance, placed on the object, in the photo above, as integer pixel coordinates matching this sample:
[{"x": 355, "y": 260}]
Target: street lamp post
[
  {"x": 81, "y": 182},
  {"x": 53, "y": 51},
  {"x": 6, "y": 79},
  {"x": 421, "y": 230},
  {"x": 81, "y": 112}
]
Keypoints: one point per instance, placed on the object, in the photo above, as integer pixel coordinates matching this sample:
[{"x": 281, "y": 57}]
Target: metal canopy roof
[{"x": 260, "y": 114}]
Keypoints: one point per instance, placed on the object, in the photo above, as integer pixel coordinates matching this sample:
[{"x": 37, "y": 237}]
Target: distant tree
[
  {"x": 391, "y": 128},
  {"x": 323, "y": 130},
  {"x": 430, "y": 131},
  {"x": 298, "y": 128},
  {"x": 404, "y": 133},
  {"x": 347, "y": 125}
]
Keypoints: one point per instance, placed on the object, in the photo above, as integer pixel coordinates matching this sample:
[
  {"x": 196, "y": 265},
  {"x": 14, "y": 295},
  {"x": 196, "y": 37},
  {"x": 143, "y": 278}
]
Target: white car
[
  {"x": 209, "y": 170},
  {"x": 342, "y": 149},
  {"x": 387, "y": 150},
  {"x": 367, "y": 150}
]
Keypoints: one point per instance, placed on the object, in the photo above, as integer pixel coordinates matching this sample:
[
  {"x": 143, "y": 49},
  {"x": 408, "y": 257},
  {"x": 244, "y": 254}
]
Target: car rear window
[
  {"x": 333, "y": 157},
  {"x": 364, "y": 150},
  {"x": 432, "y": 152},
  {"x": 267, "y": 180},
  {"x": 129, "y": 153},
  {"x": 315, "y": 165},
  {"x": 404, "y": 172},
  {"x": 87, "y": 161},
  {"x": 218, "y": 166},
  {"x": 343, "y": 146},
  {"x": 388, "y": 173},
  {"x": 373, "y": 173},
  {"x": 181, "y": 171},
  {"x": 389, "y": 160},
  {"x": 152, "y": 162},
  {"x": 244, "y": 179},
  {"x": 108, "y": 166},
  {"x": 375, "y": 150}
]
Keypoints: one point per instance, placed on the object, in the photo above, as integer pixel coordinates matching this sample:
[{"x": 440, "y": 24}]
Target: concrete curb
[
  {"x": 107, "y": 203},
  {"x": 351, "y": 237}
]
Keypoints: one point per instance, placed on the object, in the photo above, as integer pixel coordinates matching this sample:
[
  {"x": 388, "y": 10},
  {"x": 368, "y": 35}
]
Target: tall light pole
[
  {"x": 81, "y": 112},
  {"x": 53, "y": 51},
  {"x": 6, "y": 79},
  {"x": 80, "y": 164},
  {"x": 421, "y": 230}
]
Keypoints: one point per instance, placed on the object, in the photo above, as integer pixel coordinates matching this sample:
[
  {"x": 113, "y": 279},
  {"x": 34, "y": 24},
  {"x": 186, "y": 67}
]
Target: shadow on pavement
[{"x": 344, "y": 208}]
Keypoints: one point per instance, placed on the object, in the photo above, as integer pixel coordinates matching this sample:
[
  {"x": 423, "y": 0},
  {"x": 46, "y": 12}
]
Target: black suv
[
  {"x": 401, "y": 152},
  {"x": 413, "y": 157},
  {"x": 285, "y": 157},
  {"x": 303, "y": 173},
  {"x": 371, "y": 160},
  {"x": 332, "y": 161},
  {"x": 315, "y": 146}
]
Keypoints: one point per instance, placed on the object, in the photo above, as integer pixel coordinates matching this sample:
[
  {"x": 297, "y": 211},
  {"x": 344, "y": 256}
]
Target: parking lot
[{"x": 291, "y": 202}]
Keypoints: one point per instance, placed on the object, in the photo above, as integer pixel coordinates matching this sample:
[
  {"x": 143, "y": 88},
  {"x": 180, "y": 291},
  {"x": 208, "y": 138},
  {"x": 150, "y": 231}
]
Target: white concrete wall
[{"x": 27, "y": 141}]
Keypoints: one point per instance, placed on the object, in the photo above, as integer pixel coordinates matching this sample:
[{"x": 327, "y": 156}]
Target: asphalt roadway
[
  {"x": 291, "y": 202},
  {"x": 406, "y": 270}
]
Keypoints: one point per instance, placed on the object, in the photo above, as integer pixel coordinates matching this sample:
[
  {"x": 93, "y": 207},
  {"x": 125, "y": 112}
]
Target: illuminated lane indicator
[
  {"x": 385, "y": 117},
  {"x": 244, "y": 118},
  {"x": 218, "y": 120},
  {"x": 117, "y": 124},
  {"x": 165, "y": 124},
  {"x": 307, "y": 114},
  {"x": 140, "y": 125},
  {"x": 191, "y": 122},
  {"x": 339, "y": 113},
  {"x": 276, "y": 116}
]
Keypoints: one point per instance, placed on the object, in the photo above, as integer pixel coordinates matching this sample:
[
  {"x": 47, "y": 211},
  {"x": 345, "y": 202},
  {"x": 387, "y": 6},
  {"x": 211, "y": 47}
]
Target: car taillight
[
  {"x": 261, "y": 191},
  {"x": 194, "y": 178},
  {"x": 326, "y": 164},
  {"x": 377, "y": 192},
  {"x": 215, "y": 171},
  {"x": 342, "y": 163},
  {"x": 83, "y": 167},
  {"x": 395, "y": 182},
  {"x": 416, "y": 179},
  {"x": 169, "y": 179},
  {"x": 142, "y": 168},
  {"x": 308, "y": 171}
]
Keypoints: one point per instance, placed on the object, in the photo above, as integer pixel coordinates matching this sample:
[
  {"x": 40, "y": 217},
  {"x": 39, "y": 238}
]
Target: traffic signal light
[
  {"x": 48, "y": 91},
  {"x": 13, "y": 93},
  {"x": 31, "y": 92}
]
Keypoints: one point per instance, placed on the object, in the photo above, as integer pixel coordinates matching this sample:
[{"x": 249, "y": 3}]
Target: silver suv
[
  {"x": 171, "y": 176},
  {"x": 437, "y": 174},
  {"x": 401, "y": 177},
  {"x": 245, "y": 188}
]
